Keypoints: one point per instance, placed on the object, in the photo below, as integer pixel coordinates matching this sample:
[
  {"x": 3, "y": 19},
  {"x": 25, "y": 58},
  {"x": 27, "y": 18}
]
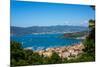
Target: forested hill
[{"x": 46, "y": 29}]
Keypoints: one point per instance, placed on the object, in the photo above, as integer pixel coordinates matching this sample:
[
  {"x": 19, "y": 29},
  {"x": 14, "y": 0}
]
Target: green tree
[
  {"x": 22, "y": 57},
  {"x": 55, "y": 58},
  {"x": 89, "y": 42}
]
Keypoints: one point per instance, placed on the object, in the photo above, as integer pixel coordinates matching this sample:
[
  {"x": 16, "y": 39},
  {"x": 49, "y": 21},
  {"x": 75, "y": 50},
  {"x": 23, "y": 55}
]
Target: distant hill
[
  {"x": 80, "y": 35},
  {"x": 46, "y": 29}
]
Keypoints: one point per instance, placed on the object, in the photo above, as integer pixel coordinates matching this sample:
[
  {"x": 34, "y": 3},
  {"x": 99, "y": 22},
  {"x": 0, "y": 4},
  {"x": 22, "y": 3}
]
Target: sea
[{"x": 44, "y": 41}]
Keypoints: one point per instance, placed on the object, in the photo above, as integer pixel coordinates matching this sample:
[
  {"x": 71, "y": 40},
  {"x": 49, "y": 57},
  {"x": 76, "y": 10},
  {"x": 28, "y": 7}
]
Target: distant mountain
[{"x": 46, "y": 29}]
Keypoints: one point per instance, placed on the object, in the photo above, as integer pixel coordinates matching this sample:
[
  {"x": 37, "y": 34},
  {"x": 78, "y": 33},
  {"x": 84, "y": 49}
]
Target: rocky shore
[{"x": 64, "y": 52}]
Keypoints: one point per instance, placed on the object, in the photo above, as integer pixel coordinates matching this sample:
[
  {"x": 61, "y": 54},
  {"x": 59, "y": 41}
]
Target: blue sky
[{"x": 25, "y": 14}]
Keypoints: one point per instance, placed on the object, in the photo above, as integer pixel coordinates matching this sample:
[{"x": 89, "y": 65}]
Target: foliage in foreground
[
  {"x": 22, "y": 57},
  {"x": 89, "y": 42}
]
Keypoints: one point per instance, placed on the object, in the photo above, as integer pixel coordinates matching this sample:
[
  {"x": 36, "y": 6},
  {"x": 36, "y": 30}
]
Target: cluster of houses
[{"x": 63, "y": 52}]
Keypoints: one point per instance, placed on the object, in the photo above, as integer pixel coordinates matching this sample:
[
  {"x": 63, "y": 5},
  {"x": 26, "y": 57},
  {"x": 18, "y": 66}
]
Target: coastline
[{"x": 64, "y": 51}]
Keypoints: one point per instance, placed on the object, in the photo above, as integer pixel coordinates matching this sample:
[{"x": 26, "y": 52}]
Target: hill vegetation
[{"x": 46, "y": 29}]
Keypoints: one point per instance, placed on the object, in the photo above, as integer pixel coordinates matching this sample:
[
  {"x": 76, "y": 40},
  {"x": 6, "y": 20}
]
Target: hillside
[{"x": 46, "y": 29}]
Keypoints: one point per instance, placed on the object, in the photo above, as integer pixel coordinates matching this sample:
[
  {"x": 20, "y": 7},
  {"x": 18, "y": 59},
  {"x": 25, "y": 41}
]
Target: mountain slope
[{"x": 46, "y": 29}]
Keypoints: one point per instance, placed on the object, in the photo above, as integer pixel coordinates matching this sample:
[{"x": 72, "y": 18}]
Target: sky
[{"x": 25, "y": 14}]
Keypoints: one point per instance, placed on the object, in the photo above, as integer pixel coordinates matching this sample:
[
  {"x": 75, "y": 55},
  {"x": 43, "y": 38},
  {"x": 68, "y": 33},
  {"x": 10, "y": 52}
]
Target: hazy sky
[{"x": 24, "y": 14}]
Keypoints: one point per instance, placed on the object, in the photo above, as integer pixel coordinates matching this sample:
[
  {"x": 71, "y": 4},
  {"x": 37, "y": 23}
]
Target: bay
[{"x": 43, "y": 41}]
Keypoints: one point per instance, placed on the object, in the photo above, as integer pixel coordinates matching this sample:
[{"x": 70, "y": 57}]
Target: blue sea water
[{"x": 43, "y": 41}]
